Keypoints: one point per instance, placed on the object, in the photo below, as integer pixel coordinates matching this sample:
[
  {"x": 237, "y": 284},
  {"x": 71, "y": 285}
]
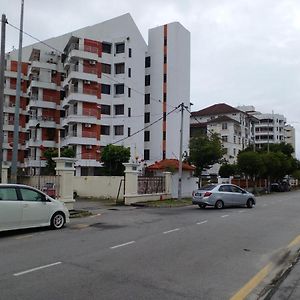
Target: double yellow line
[{"x": 260, "y": 276}]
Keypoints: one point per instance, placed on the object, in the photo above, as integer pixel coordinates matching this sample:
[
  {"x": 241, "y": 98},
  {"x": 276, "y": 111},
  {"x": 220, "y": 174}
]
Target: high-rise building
[{"x": 100, "y": 85}]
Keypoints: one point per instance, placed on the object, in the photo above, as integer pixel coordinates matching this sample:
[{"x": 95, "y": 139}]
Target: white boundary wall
[{"x": 98, "y": 186}]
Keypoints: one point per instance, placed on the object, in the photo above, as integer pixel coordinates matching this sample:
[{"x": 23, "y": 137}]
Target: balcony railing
[{"x": 82, "y": 48}]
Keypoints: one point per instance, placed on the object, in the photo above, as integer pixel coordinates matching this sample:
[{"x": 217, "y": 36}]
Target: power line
[
  {"x": 142, "y": 129},
  {"x": 103, "y": 74}
]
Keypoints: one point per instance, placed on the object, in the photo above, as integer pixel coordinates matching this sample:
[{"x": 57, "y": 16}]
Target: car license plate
[{"x": 198, "y": 194}]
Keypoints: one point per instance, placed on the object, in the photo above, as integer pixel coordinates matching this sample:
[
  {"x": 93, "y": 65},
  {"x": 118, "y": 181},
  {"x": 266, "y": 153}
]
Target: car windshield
[{"x": 208, "y": 187}]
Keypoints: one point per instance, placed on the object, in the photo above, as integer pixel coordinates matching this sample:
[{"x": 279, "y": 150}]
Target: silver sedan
[{"x": 220, "y": 195}]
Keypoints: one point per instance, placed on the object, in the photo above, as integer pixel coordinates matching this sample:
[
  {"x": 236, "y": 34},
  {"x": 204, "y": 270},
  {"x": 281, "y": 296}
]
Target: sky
[{"x": 243, "y": 52}]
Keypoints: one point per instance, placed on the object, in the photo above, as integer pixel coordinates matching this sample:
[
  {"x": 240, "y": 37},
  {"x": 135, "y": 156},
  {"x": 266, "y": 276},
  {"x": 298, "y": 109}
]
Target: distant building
[
  {"x": 271, "y": 128},
  {"x": 96, "y": 86},
  {"x": 234, "y": 126}
]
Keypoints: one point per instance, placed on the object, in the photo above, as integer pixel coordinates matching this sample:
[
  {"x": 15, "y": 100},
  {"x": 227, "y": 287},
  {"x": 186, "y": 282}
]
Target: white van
[{"x": 23, "y": 206}]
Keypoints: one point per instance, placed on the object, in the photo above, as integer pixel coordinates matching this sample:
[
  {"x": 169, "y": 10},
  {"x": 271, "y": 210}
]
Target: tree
[
  {"x": 250, "y": 163},
  {"x": 50, "y": 153},
  {"x": 227, "y": 170},
  {"x": 113, "y": 158},
  {"x": 204, "y": 152}
]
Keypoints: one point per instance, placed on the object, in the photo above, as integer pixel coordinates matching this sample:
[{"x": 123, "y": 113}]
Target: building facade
[
  {"x": 101, "y": 85},
  {"x": 234, "y": 127}
]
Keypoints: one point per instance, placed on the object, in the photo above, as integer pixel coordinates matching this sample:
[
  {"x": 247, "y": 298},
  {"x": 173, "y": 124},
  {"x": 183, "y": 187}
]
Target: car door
[
  {"x": 10, "y": 208},
  {"x": 225, "y": 194},
  {"x": 238, "y": 196},
  {"x": 36, "y": 211}
]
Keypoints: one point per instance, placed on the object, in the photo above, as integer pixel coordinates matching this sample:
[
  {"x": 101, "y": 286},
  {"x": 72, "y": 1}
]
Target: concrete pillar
[
  {"x": 168, "y": 182},
  {"x": 65, "y": 170},
  {"x": 4, "y": 175},
  {"x": 131, "y": 179}
]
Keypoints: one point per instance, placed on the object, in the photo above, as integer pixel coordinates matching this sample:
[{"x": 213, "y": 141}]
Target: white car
[{"x": 23, "y": 206}]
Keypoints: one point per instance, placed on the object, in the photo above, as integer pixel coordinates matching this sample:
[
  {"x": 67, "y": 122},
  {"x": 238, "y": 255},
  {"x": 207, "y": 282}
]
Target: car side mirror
[{"x": 44, "y": 198}]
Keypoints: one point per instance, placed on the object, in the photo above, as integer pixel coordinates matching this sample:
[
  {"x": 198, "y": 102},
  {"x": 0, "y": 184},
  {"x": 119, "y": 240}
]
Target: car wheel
[
  {"x": 219, "y": 204},
  {"x": 202, "y": 205},
  {"x": 58, "y": 220},
  {"x": 250, "y": 203}
]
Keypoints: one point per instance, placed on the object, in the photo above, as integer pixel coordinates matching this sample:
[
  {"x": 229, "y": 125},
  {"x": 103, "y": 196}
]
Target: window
[
  {"x": 225, "y": 188},
  {"x": 147, "y": 80},
  {"x": 165, "y": 77},
  {"x": 234, "y": 151},
  {"x": 224, "y": 125},
  {"x": 105, "y": 109},
  {"x": 147, "y": 99},
  {"x": 8, "y": 194},
  {"x": 120, "y": 48},
  {"x": 119, "y": 89},
  {"x": 129, "y": 112},
  {"x": 164, "y": 135},
  {"x": 129, "y": 92},
  {"x": 235, "y": 189},
  {"x": 120, "y": 68},
  {"x": 225, "y": 138},
  {"x": 119, "y": 109},
  {"x": 106, "y": 68},
  {"x": 105, "y": 89},
  {"x": 147, "y": 62},
  {"x": 147, "y": 117},
  {"x": 147, "y": 136},
  {"x": 129, "y": 72},
  {"x": 165, "y": 59},
  {"x": 106, "y": 47},
  {"x": 165, "y": 97},
  {"x": 30, "y": 195},
  {"x": 128, "y": 131},
  {"x": 105, "y": 130},
  {"x": 119, "y": 129},
  {"x": 129, "y": 52},
  {"x": 146, "y": 154},
  {"x": 234, "y": 139}
]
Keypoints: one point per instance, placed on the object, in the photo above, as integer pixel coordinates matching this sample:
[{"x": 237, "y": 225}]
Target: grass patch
[{"x": 166, "y": 203}]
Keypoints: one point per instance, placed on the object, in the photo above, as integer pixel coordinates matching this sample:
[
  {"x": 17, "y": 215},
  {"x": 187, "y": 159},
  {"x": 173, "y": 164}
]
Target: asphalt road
[{"x": 150, "y": 253}]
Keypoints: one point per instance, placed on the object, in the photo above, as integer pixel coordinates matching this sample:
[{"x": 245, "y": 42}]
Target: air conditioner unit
[
  {"x": 88, "y": 147},
  {"x": 87, "y": 82},
  {"x": 54, "y": 72},
  {"x": 88, "y": 125},
  {"x": 92, "y": 62}
]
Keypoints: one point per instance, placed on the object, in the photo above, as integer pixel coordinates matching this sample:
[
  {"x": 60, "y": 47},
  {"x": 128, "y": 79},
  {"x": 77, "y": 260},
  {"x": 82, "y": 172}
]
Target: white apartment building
[
  {"x": 235, "y": 127},
  {"x": 290, "y": 136},
  {"x": 100, "y": 85},
  {"x": 271, "y": 128}
]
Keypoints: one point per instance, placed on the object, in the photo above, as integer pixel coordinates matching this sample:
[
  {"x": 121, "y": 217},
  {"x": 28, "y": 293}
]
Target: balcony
[
  {"x": 85, "y": 52},
  {"x": 43, "y": 121},
  {"x": 75, "y": 95},
  {"x": 89, "y": 116},
  {"x": 38, "y": 143},
  {"x": 31, "y": 162},
  {"x": 77, "y": 72},
  {"x": 35, "y": 102},
  {"x": 74, "y": 138},
  {"x": 36, "y": 83}
]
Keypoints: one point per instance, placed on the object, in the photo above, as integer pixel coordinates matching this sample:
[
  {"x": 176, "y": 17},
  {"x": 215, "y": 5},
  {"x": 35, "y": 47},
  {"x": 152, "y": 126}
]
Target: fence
[
  {"x": 151, "y": 185},
  {"x": 48, "y": 184}
]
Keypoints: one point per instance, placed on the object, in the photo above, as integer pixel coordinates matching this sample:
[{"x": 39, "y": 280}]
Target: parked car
[
  {"x": 221, "y": 195},
  {"x": 22, "y": 206},
  {"x": 283, "y": 186}
]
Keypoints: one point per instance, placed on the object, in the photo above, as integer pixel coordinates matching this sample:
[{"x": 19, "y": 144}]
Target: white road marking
[
  {"x": 97, "y": 215},
  {"x": 121, "y": 245},
  {"x": 176, "y": 229},
  {"x": 199, "y": 223},
  {"x": 37, "y": 269},
  {"x": 24, "y": 236},
  {"x": 224, "y": 216}
]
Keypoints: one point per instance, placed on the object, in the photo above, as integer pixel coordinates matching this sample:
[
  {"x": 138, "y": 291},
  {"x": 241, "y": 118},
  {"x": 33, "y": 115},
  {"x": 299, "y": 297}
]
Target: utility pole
[
  {"x": 2, "y": 68},
  {"x": 180, "y": 155},
  {"x": 17, "y": 106}
]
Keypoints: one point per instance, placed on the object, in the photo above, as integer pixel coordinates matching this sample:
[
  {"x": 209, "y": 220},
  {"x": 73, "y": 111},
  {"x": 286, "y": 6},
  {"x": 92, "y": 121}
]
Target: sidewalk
[{"x": 289, "y": 289}]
